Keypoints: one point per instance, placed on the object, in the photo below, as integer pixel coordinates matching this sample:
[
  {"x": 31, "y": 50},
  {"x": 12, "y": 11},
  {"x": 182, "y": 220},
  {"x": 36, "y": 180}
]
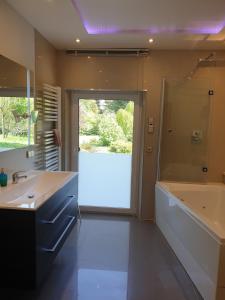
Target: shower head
[
  {"x": 207, "y": 58},
  {"x": 208, "y": 61},
  {"x": 211, "y": 61}
]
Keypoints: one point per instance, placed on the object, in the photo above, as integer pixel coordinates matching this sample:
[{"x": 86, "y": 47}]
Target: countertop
[{"x": 32, "y": 192}]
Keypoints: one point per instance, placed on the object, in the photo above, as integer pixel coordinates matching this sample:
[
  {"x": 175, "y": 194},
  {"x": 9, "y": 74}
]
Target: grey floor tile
[{"x": 113, "y": 258}]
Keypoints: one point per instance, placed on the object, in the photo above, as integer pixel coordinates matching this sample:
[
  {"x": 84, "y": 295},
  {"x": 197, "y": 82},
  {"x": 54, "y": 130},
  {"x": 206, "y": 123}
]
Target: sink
[
  {"x": 33, "y": 191},
  {"x": 37, "y": 215}
]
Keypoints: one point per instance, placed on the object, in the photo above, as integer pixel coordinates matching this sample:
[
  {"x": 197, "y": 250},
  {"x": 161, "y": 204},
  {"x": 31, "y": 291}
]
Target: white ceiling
[{"x": 174, "y": 24}]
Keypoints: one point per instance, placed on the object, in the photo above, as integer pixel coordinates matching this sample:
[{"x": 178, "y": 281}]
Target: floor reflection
[
  {"x": 102, "y": 285},
  {"x": 103, "y": 258},
  {"x": 113, "y": 258}
]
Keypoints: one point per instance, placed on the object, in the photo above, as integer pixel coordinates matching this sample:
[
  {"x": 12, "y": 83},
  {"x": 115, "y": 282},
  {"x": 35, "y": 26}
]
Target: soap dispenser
[{"x": 3, "y": 178}]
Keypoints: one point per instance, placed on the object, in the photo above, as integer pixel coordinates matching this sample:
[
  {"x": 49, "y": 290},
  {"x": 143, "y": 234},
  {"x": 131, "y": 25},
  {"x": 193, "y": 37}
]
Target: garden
[
  {"x": 14, "y": 122},
  {"x": 106, "y": 125}
]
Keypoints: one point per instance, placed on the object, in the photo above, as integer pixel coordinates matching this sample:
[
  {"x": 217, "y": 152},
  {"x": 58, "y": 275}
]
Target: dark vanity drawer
[
  {"x": 51, "y": 207},
  {"x": 54, "y": 222},
  {"x": 30, "y": 240},
  {"x": 49, "y": 229}
]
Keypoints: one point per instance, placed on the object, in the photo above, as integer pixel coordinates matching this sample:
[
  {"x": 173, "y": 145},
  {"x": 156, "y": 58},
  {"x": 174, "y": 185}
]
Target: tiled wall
[
  {"x": 16, "y": 36},
  {"x": 147, "y": 73},
  {"x": 20, "y": 43}
]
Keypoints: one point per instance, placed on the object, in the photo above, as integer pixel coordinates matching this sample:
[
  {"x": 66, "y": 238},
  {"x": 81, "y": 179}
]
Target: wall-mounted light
[
  {"x": 151, "y": 40},
  {"x": 77, "y": 40}
]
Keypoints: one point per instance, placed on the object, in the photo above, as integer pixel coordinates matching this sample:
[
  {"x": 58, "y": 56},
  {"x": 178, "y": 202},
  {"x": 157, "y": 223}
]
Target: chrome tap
[{"x": 16, "y": 176}]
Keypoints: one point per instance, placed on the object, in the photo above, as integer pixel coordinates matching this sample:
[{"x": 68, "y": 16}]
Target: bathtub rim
[{"x": 200, "y": 220}]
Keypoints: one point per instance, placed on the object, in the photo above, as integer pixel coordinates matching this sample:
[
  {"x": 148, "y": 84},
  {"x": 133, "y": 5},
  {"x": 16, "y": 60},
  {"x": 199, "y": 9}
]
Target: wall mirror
[{"x": 17, "y": 114}]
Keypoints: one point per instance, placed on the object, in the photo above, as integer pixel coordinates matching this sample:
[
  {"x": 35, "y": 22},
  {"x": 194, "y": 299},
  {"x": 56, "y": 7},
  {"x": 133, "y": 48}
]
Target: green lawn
[{"x": 13, "y": 141}]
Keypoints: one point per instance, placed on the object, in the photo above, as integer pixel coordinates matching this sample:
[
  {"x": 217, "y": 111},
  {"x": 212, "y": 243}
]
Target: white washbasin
[{"x": 33, "y": 191}]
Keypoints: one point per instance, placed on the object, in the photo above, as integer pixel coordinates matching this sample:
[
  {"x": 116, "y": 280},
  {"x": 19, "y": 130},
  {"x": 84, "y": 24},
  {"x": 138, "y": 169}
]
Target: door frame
[{"x": 137, "y": 146}]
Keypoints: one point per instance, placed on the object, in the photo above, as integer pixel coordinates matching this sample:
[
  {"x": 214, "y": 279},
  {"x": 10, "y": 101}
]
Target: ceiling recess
[{"x": 108, "y": 52}]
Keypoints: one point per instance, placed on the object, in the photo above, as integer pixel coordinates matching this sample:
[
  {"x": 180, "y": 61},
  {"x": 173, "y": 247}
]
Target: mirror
[{"x": 17, "y": 114}]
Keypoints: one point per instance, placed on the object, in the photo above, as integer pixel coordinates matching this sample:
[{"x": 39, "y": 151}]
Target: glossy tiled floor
[{"x": 113, "y": 258}]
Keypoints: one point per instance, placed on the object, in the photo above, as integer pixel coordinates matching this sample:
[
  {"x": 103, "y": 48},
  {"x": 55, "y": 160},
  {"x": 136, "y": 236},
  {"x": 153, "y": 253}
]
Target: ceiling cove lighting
[{"x": 196, "y": 27}]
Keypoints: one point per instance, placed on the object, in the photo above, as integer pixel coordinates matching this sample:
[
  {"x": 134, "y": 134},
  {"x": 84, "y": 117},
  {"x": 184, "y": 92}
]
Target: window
[{"x": 17, "y": 117}]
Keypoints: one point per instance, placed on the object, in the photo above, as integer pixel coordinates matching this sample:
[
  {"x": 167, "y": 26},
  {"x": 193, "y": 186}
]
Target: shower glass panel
[{"x": 184, "y": 141}]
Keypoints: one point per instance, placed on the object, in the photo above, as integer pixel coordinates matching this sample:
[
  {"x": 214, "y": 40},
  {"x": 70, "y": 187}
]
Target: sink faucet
[{"x": 16, "y": 176}]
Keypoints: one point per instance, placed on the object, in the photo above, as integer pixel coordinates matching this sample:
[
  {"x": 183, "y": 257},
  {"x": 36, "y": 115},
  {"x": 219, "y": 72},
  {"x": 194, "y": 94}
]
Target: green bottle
[{"x": 3, "y": 178}]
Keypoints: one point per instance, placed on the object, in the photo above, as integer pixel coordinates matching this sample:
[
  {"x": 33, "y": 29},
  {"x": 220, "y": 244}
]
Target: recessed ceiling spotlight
[
  {"x": 151, "y": 40},
  {"x": 77, "y": 40}
]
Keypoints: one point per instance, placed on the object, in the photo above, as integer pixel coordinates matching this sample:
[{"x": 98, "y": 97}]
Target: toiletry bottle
[{"x": 3, "y": 178}]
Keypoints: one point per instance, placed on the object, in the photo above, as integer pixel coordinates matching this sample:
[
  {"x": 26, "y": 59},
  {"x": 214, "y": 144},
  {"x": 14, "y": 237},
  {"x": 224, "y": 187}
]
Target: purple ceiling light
[
  {"x": 206, "y": 28},
  {"x": 210, "y": 27}
]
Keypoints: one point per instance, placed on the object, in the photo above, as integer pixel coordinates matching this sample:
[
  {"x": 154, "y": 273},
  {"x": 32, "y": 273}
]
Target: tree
[
  {"x": 89, "y": 118},
  {"x": 115, "y": 105},
  {"x": 125, "y": 120},
  {"x": 130, "y": 107},
  {"x": 19, "y": 105},
  {"x": 109, "y": 130},
  {"x": 6, "y": 115},
  {"x": 9, "y": 108}
]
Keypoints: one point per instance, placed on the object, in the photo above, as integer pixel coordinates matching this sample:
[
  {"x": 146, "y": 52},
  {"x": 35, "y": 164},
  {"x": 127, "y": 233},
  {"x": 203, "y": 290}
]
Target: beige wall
[
  {"x": 174, "y": 65},
  {"x": 15, "y": 160},
  {"x": 217, "y": 132},
  {"x": 100, "y": 72},
  {"x": 147, "y": 73},
  {"x": 45, "y": 71},
  {"x": 12, "y": 75},
  {"x": 187, "y": 108},
  {"x": 45, "y": 61},
  {"x": 16, "y": 43},
  {"x": 97, "y": 73},
  {"x": 16, "y": 36}
]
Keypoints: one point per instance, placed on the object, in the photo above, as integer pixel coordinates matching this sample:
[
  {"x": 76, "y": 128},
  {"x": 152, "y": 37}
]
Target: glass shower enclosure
[{"x": 184, "y": 133}]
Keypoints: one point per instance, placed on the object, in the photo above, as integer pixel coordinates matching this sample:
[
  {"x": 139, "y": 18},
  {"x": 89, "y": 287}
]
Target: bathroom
[{"x": 178, "y": 80}]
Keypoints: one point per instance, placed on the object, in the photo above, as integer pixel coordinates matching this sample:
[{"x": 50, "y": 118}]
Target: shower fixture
[
  {"x": 209, "y": 61},
  {"x": 210, "y": 56}
]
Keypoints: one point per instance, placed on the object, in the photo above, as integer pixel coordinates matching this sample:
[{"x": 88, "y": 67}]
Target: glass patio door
[{"x": 106, "y": 134}]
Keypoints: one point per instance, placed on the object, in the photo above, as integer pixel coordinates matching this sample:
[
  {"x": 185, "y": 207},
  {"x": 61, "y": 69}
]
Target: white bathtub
[{"x": 192, "y": 218}]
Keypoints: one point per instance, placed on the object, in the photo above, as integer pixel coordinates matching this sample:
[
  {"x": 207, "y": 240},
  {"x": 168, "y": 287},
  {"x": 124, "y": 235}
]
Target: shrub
[
  {"x": 89, "y": 124},
  {"x": 86, "y": 147},
  {"x": 130, "y": 107},
  {"x": 125, "y": 120},
  {"x": 109, "y": 130},
  {"x": 115, "y": 105},
  {"x": 94, "y": 140},
  {"x": 121, "y": 147},
  {"x": 89, "y": 117}
]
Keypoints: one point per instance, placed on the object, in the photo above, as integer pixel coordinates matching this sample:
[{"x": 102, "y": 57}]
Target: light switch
[
  {"x": 150, "y": 121},
  {"x": 150, "y": 125},
  {"x": 150, "y": 128}
]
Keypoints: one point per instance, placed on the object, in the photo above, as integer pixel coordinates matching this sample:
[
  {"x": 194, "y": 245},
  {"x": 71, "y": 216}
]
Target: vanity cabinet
[{"x": 31, "y": 239}]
